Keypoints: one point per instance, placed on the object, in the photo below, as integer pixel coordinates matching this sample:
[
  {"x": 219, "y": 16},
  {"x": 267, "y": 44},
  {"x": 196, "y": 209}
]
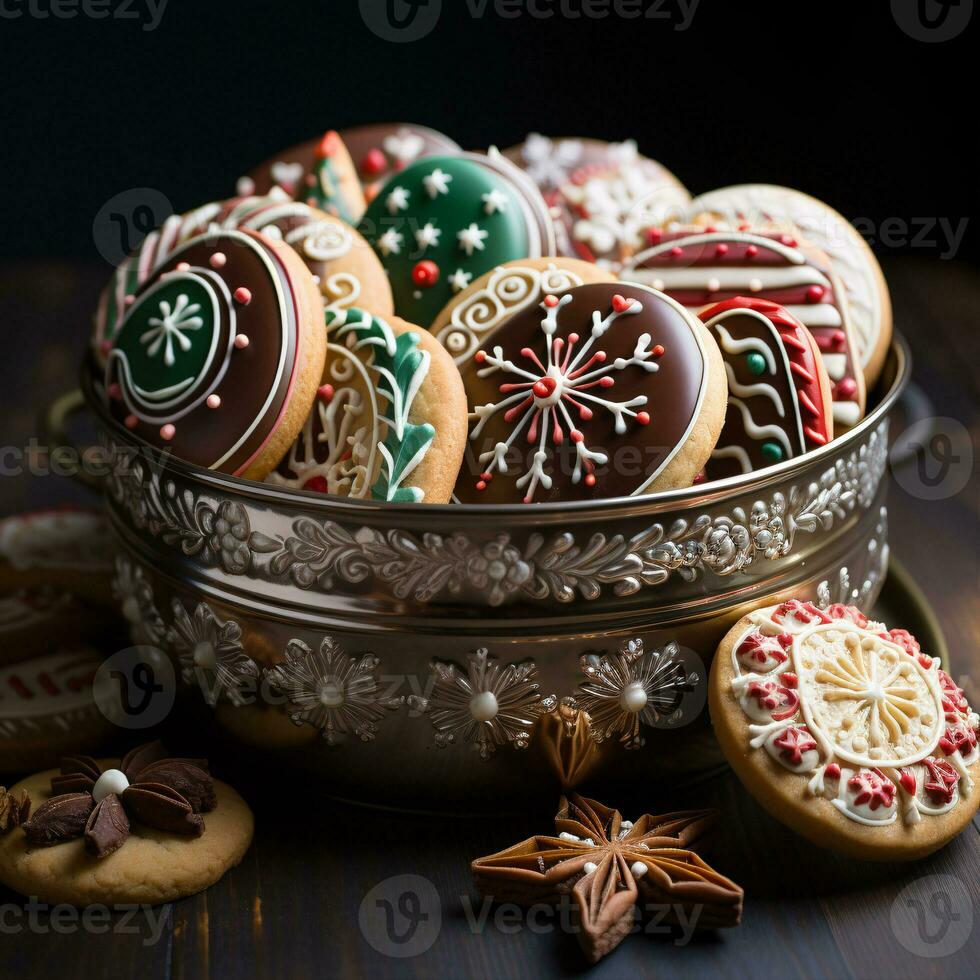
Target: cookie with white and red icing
[
  {"x": 344, "y": 265},
  {"x": 389, "y": 421},
  {"x": 47, "y": 708},
  {"x": 608, "y": 390},
  {"x": 603, "y": 196},
  {"x": 220, "y": 353},
  {"x": 486, "y": 302},
  {"x": 67, "y": 548},
  {"x": 444, "y": 221},
  {"x": 703, "y": 265},
  {"x": 779, "y": 401},
  {"x": 854, "y": 263},
  {"x": 319, "y": 172},
  {"x": 846, "y": 731}
]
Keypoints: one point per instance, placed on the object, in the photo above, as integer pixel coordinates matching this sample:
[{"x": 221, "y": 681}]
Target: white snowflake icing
[
  {"x": 397, "y": 200},
  {"x": 170, "y": 326},
  {"x": 427, "y": 235},
  {"x": 459, "y": 280},
  {"x": 541, "y": 401},
  {"x": 437, "y": 183},
  {"x": 548, "y": 163},
  {"x": 471, "y": 238},
  {"x": 390, "y": 242},
  {"x": 494, "y": 201}
]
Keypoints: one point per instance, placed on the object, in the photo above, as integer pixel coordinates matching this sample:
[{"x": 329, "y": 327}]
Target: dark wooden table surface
[{"x": 292, "y": 909}]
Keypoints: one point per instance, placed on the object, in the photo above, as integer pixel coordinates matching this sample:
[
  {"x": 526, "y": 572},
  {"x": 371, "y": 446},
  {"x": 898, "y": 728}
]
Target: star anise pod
[
  {"x": 609, "y": 867},
  {"x": 14, "y": 811},
  {"x": 149, "y": 787}
]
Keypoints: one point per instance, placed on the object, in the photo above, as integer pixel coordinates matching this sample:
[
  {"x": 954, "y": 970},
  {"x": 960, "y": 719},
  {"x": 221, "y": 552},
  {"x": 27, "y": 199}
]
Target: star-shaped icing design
[
  {"x": 427, "y": 235},
  {"x": 494, "y": 201},
  {"x": 397, "y": 200},
  {"x": 437, "y": 183},
  {"x": 459, "y": 280},
  {"x": 471, "y": 238},
  {"x": 610, "y": 866},
  {"x": 390, "y": 242}
]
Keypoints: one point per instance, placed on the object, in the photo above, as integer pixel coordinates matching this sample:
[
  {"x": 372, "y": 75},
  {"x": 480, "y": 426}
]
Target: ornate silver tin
[{"x": 444, "y": 652}]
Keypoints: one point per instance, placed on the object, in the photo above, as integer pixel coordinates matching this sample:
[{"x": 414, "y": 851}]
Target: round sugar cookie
[
  {"x": 846, "y": 731},
  {"x": 220, "y": 353},
  {"x": 602, "y": 196},
  {"x": 444, "y": 221},
  {"x": 854, "y": 263},
  {"x": 151, "y": 867},
  {"x": 484, "y": 304},
  {"x": 389, "y": 421},
  {"x": 608, "y": 390},
  {"x": 779, "y": 399}
]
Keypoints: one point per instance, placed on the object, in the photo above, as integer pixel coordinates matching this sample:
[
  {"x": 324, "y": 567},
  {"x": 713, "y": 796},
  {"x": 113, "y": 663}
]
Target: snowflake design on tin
[
  {"x": 133, "y": 592},
  {"x": 543, "y": 400},
  {"x": 211, "y": 654},
  {"x": 484, "y": 703},
  {"x": 632, "y": 687},
  {"x": 549, "y": 163},
  {"x": 171, "y": 326},
  {"x": 332, "y": 691}
]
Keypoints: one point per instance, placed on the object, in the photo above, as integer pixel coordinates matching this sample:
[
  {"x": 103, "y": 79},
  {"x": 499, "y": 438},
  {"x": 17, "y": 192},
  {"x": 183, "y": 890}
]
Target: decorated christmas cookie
[
  {"x": 346, "y": 268},
  {"x": 220, "y": 353},
  {"x": 846, "y": 731},
  {"x": 698, "y": 266},
  {"x": 479, "y": 308},
  {"x": 147, "y": 829},
  {"x": 68, "y": 548},
  {"x": 47, "y": 708},
  {"x": 603, "y": 196},
  {"x": 608, "y": 390},
  {"x": 853, "y": 261},
  {"x": 319, "y": 173},
  {"x": 443, "y": 222},
  {"x": 135, "y": 269},
  {"x": 779, "y": 403},
  {"x": 381, "y": 150},
  {"x": 389, "y": 420}
]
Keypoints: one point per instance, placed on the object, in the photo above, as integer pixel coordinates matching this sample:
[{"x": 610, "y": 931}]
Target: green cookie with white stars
[{"x": 446, "y": 220}]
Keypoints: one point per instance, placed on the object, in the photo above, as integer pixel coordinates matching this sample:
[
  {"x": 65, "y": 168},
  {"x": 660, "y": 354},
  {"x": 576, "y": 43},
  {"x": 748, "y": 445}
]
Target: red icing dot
[
  {"x": 318, "y": 484},
  {"x": 700, "y": 478},
  {"x": 325, "y": 392},
  {"x": 788, "y": 240},
  {"x": 590, "y": 480},
  {"x": 241, "y": 341},
  {"x": 328, "y": 145},
  {"x": 744, "y": 226},
  {"x": 643, "y": 418},
  {"x": 214, "y": 401},
  {"x": 577, "y": 436},
  {"x": 486, "y": 477},
  {"x": 677, "y": 251},
  {"x": 654, "y": 236},
  {"x": 182, "y": 266},
  {"x": 129, "y": 300},
  {"x": 115, "y": 392},
  {"x": 168, "y": 431},
  {"x": 480, "y": 356},
  {"x": 550, "y": 301},
  {"x": 839, "y": 339},
  {"x": 710, "y": 229},
  {"x": 243, "y": 295},
  {"x": 131, "y": 421},
  {"x": 105, "y": 346},
  {"x": 425, "y": 273},
  {"x": 815, "y": 293},
  {"x": 658, "y": 350},
  {"x": 374, "y": 162},
  {"x": 620, "y": 303},
  {"x": 846, "y": 388},
  {"x": 752, "y": 251},
  {"x": 721, "y": 249},
  {"x": 218, "y": 260}
]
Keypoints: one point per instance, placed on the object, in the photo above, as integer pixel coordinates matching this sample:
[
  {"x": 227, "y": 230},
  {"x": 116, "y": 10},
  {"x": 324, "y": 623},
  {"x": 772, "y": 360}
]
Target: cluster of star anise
[{"x": 149, "y": 787}]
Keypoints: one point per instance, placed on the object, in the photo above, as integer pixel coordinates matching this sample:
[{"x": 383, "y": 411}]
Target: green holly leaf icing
[
  {"x": 452, "y": 212},
  {"x": 167, "y": 341},
  {"x": 400, "y": 367},
  {"x": 325, "y": 191}
]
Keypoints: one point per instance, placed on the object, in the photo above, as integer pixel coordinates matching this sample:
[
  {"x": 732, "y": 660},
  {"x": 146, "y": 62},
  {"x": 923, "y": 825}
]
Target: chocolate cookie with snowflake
[
  {"x": 608, "y": 390},
  {"x": 444, "y": 221},
  {"x": 846, "y": 731}
]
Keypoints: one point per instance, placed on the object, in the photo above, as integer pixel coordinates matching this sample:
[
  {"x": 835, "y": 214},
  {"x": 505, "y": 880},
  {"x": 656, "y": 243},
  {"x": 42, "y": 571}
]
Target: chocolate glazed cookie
[
  {"x": 608, "y": 390},
  {"x": 220, "y": 354}
]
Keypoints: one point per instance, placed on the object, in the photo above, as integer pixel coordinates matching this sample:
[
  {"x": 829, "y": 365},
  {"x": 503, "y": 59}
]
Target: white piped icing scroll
[{"x": 878, "y": 727}]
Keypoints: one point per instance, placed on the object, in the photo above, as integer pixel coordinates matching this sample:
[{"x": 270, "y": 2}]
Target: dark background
[{"x": 831, "y": 97}]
